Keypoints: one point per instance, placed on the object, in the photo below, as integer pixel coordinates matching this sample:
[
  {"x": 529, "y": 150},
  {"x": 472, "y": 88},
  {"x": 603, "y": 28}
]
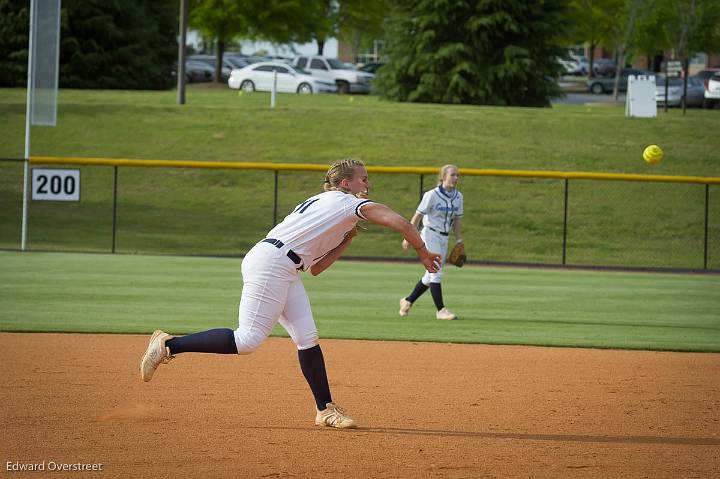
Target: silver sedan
[{"x": 695, "y": 91}]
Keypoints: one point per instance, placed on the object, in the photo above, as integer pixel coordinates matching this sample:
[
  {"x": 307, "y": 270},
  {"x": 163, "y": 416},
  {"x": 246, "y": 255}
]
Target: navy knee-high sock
[
  {"x": 312, "y": 364},
  {"x": 218, "y": 341},
  {"x": 436, "y": 292},
  {"x": 420, "y": 288}
]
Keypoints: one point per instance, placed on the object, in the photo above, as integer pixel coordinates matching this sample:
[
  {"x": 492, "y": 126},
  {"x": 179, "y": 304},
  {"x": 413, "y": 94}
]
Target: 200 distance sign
[{"x": 55, "y": 185}]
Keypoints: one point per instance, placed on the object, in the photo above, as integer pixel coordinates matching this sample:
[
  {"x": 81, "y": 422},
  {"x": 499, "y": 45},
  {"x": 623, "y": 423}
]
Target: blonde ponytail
[{"x": 338, "y": 171}]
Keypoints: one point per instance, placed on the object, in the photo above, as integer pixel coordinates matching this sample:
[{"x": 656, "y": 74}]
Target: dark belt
[
  {"x": 290, "y": 253},
  {"x": 444, "y": 234}
]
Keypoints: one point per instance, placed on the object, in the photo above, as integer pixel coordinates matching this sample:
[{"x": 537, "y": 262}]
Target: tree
[
  {"x": 117, "y": 44},
  {"x": 346, "y": 18},
  {"x": 220, "y": 20},
  {"x": 477, "y": 52},
  {"x": 14, "y": 20},
  {"x": 360, "y": 22},
  {"x": 690, "y": 26},
  {"x": 324, "y": 23},
  {"x": 277, "y": 21},
  {"x": 103, "y": 44},
  {"x": 620, "y": 19},
  {"x": 587, "y": 25},
  {"x": 651, "y": 36}
]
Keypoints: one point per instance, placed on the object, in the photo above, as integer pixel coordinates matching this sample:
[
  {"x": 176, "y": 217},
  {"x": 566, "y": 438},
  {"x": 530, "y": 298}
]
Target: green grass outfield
[
  {"x": 218, "y": 124},
  {"x": 217, "y": 212},
  {"x": 359, "y": 300}
]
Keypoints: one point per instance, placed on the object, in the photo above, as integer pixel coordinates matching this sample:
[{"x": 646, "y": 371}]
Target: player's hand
[
  {"x": 405, "y": 245},
  {"x": 431, "y": 261},
  {"x": 352, "y": 233}
]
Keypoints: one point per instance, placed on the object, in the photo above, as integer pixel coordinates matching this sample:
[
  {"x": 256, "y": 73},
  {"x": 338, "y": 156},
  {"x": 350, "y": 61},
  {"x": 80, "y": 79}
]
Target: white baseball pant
[
  {"x": 272, "y": 292},
  {"x": 436, "y": 243}
]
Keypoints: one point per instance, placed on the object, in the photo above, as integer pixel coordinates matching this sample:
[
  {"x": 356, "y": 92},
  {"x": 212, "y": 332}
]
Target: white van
[
  {"x": 712, "y": 91},
  {"x": 347, "y": 79}
]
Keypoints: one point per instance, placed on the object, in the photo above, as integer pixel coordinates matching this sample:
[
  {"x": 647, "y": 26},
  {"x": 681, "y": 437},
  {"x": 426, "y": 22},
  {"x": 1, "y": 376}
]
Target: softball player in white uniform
[
  {"x": 310, "y": 238},
  {"x": 440, "y": 211}
]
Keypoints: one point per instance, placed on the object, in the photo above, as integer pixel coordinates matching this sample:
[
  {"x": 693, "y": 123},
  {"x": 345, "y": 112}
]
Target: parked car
[
  {"x": 228, "y": 59},
  {"x": 599, "y": 85},
  {"x": 583, "y": 64},
  {"x": 236, "y": 61},
  {"x": 574, "y": 65},
  {"x": 195, "y": 71},
  {"x": 704, "y": 75},
  {"x": 256, "y": 59},
  {"x": 712, "y": 92},
  {"x": 348, "y": 80},
  {"x": 675, "y": 86},
  {"x": 371, "y": 67},
  {"x": 277, "y": 58},
  {"x": 198, "y": 71},
  {"x": 259, "y": 77},
  {"x": 604, "y": 67},
  {"x": 227, "y": 66}
]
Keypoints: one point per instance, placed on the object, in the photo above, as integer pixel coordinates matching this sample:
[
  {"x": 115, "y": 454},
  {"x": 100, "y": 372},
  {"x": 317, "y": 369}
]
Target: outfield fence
[{"x": 223, "y": 208}]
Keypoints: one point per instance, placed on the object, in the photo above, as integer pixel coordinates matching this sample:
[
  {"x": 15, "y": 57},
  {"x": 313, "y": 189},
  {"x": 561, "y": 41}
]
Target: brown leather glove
[{"x": 457, "y": 255}]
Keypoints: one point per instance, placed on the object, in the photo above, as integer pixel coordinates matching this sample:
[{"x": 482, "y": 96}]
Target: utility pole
[{"x": 181, "y": 52}]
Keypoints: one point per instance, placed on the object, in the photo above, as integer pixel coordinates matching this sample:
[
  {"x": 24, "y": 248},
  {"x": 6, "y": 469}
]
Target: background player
[
  {"x": 310, "y": 239},
  {"x": 440, "y": 211}
]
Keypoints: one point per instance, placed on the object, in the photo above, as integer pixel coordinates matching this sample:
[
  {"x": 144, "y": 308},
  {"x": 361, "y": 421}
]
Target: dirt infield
[{"x": 425, "y": 410}]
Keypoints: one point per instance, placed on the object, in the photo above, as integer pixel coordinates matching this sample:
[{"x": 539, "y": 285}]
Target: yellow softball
[{"x": 653, "y": 154}]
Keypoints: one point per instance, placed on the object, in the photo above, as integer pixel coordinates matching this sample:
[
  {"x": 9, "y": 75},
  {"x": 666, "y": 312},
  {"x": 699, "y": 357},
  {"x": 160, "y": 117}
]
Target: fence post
[
  {"x": 114, "y": 211},
  {"x": 707, "y": 208},
  {"x": 421, "y": 186},
  {"x": 275, "y": 199},
  {"x": 273, "y": 92},
  {"x": 565, "y": 209}
]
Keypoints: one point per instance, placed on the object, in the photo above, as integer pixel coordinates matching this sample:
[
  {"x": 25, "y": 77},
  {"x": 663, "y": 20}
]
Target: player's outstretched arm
[
  {"x": 382, "y": 215},
  {"x": 415, "y": 221}
]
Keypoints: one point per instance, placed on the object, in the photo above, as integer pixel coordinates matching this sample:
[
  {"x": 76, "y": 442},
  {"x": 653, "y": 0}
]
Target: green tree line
[
  {"x": 646, "y": 27},
  {"x": 127, "y": 44},
  {"x": 444, "y": 51},
  {"x": 132, "y": 44}
]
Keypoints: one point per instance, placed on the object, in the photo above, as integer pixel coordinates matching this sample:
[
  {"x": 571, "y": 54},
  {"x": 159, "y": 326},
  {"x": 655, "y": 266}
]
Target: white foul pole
[
  {"x": 42, "y": 83},
  {"x": 28, "y": 114}
]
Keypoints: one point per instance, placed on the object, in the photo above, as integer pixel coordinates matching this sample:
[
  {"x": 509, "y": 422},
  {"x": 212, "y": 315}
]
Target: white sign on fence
[
  {"x": 55, "y": 185},
  {"x": 640, "y": 100},
  {"x": 673, "y": 68}
]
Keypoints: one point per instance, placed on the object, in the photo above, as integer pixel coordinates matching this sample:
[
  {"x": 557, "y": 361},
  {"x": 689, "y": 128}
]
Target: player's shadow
[{"x": 689, "y": 441}]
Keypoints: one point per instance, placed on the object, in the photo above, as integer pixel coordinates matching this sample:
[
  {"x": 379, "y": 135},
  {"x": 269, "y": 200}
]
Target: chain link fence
[{"x": 526, "y": 220}]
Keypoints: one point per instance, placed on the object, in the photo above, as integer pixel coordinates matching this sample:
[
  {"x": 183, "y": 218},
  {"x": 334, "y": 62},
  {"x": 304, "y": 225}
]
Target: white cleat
[
  {"x": 405, "y": 306},
  {"x": 157, "y": 353},
  {"x": 333, "y": 416},
  {"x": 445, "y": 314}
]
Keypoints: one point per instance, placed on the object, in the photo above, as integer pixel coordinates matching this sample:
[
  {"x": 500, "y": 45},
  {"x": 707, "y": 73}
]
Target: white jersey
[
  {"x": 317, "y": 225},
  {"x": 440, "y": 208}
]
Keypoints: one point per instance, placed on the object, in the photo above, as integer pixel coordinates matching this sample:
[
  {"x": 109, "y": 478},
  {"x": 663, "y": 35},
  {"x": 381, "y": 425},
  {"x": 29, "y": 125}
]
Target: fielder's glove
[{"x": 457, "y": 255}]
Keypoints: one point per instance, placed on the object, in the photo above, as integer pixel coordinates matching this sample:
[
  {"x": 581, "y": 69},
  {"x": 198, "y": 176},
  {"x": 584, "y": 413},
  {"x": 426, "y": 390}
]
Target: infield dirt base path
[{"x": 424, "y": 410}]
